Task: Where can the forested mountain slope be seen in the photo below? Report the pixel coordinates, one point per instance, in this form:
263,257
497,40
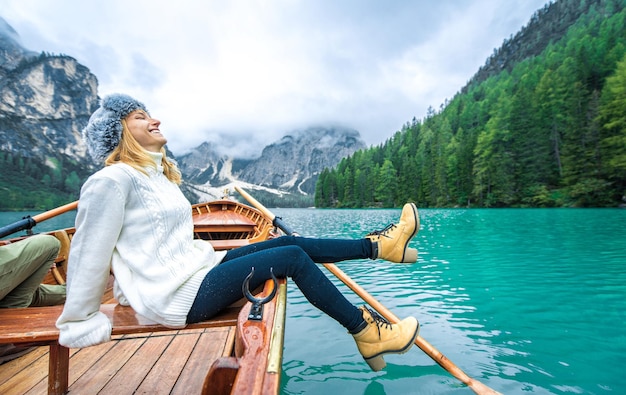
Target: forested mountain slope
546,130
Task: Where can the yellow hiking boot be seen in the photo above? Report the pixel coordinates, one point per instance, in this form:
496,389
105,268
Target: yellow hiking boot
380,337
392,242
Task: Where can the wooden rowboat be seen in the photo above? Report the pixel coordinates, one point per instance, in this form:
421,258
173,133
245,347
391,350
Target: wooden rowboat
229,354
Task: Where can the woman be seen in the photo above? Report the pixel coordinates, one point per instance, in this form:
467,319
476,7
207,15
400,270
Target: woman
133,220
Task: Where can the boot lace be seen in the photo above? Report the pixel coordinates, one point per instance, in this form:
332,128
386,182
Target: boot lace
383,232
378,320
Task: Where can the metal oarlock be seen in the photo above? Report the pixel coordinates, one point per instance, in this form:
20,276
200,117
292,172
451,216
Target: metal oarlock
256,311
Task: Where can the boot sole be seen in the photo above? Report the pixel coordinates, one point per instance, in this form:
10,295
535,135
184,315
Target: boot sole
410,254
377,362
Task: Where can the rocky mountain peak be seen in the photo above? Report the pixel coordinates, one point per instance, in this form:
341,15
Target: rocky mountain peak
46,101
290,164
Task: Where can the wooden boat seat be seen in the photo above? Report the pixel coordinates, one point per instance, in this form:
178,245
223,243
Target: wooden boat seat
35,326
219,245
222,222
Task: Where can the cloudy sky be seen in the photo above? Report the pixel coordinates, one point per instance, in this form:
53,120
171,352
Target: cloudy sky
242,73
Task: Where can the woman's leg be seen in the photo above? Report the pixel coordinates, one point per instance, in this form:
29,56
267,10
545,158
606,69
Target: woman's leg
222,285
319,250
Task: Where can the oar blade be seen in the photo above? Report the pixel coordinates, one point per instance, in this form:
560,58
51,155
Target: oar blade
481,389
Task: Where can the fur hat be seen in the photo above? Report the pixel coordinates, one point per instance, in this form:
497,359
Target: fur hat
104,130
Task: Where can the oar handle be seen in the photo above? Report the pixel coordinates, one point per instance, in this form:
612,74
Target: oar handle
278,222
29,222
25,223
476,386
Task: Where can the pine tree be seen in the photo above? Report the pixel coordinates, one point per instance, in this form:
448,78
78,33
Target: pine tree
612,117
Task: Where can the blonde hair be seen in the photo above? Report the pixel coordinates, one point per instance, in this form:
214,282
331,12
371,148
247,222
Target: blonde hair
129,151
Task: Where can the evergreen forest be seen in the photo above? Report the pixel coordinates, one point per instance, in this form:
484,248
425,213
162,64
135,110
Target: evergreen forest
26,183
547,128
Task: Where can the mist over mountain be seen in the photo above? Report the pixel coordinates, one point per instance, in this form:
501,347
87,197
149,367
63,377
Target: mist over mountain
11,50
291,164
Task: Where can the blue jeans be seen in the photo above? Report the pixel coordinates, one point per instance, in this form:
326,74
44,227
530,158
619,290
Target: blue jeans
288,256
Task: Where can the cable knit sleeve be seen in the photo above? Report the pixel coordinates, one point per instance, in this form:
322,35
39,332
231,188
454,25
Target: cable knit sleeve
98,224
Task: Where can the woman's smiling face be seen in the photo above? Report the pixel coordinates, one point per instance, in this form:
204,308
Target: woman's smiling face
145,130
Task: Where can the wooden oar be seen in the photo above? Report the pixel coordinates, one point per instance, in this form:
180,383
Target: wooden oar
29,222
442,360
56,211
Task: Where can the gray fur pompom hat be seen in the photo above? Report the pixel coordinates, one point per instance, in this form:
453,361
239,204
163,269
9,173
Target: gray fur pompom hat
104,130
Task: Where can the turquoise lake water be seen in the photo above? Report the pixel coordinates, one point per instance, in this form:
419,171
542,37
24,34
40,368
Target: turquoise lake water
523,300
526,301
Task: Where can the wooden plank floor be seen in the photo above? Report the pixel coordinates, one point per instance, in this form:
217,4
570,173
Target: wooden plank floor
173,362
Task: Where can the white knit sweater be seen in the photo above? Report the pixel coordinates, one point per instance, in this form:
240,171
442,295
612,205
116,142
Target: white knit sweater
141,228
